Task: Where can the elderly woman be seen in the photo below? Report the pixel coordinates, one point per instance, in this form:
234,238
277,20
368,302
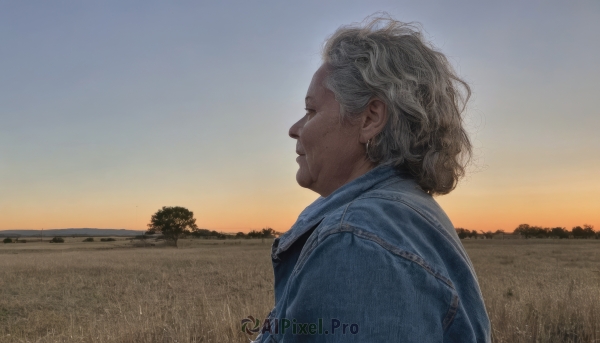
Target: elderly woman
375,258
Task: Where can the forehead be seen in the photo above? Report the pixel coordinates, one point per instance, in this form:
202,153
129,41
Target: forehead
316,90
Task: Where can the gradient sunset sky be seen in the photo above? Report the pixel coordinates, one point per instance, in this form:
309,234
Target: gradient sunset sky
110,110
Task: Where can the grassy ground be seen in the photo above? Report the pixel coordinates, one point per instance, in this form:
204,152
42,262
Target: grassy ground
540,290
535,290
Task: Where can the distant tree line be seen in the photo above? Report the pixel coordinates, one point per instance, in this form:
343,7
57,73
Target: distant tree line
264,233
17,240
203,233
464,233
528,231
211,234
57,240
587,231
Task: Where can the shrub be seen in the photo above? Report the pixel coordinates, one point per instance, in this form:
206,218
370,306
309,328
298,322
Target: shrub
107,239
21,241
89,239
7,240
57,240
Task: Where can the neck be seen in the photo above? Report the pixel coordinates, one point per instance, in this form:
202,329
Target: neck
359,169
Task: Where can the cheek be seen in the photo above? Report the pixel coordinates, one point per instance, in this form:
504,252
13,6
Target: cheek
315,138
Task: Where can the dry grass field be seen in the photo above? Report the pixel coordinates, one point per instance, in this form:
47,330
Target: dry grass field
540,290
535,290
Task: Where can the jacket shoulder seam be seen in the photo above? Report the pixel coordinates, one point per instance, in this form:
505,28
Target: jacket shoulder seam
433,223
404,254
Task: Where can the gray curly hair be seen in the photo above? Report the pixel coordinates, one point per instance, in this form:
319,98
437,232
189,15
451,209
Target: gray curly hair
391,61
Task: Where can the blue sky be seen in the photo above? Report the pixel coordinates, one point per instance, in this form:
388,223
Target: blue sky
111,110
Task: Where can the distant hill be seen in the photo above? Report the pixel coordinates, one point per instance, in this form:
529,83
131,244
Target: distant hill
70,232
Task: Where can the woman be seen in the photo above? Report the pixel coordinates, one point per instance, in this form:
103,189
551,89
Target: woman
375,259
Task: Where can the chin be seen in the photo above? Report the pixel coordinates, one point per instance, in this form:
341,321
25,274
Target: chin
303,179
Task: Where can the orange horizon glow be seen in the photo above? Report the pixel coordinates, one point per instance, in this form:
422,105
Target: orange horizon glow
484,201
470,207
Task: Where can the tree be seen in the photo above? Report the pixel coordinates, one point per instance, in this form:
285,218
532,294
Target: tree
268,232
462,233
578,232
524,229
588,231
559,232
172,222
255,234
487,235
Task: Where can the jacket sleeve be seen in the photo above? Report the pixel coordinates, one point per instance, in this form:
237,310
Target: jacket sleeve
352,289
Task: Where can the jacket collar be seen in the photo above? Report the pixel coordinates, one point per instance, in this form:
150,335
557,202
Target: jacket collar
312,215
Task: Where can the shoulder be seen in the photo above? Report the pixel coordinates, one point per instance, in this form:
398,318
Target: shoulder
398,217
399,203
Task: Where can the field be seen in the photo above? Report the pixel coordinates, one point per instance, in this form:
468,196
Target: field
540,290
535,290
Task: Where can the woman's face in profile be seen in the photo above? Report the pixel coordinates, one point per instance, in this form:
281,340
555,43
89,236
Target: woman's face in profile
327,148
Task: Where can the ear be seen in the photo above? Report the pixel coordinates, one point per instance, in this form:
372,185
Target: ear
374,119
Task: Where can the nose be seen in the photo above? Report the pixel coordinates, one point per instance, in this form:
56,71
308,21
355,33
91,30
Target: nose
295,129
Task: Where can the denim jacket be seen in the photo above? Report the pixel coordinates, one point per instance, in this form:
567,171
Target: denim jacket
378,260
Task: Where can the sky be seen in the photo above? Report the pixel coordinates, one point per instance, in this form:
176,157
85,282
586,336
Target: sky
110,110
